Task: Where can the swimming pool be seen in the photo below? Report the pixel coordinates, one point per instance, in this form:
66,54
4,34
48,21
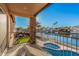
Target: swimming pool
60,52
51,46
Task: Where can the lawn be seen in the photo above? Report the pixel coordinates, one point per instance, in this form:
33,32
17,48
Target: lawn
23,40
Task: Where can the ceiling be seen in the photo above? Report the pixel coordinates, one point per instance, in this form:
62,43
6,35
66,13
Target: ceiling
25,9
1,12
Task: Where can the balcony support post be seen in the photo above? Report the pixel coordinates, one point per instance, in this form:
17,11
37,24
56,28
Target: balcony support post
32,30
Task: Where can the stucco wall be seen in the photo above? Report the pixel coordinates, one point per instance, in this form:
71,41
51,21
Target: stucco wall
3,32
11,27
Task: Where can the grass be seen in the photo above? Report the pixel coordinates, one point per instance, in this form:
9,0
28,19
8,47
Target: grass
23,40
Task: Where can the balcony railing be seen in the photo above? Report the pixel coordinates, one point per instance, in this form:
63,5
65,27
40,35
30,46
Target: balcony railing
66,42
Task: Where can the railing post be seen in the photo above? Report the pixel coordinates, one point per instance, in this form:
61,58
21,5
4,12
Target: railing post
71,46
76,45
67,45
63,45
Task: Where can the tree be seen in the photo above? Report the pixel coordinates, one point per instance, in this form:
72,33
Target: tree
38,26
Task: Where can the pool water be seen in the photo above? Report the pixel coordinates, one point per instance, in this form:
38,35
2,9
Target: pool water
51,46
53,50
60,52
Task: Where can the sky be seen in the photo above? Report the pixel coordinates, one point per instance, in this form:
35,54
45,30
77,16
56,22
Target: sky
22,22
63,14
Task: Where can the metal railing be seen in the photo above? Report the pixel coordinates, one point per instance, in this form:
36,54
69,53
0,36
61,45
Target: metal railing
68,44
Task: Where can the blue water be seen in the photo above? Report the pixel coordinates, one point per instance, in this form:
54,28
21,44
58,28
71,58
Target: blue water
60,52
64,40
51,46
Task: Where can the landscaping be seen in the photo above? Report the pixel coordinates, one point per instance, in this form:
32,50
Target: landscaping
23,40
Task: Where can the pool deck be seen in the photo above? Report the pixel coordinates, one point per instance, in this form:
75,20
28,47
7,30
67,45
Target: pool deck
37,52
26,50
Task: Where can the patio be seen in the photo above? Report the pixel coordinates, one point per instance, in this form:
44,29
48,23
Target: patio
31,44
25,10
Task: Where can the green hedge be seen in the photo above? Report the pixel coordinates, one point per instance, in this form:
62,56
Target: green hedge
23,40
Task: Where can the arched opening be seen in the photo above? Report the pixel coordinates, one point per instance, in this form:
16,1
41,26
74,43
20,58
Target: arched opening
22,30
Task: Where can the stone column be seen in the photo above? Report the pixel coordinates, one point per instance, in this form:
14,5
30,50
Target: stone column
32,30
